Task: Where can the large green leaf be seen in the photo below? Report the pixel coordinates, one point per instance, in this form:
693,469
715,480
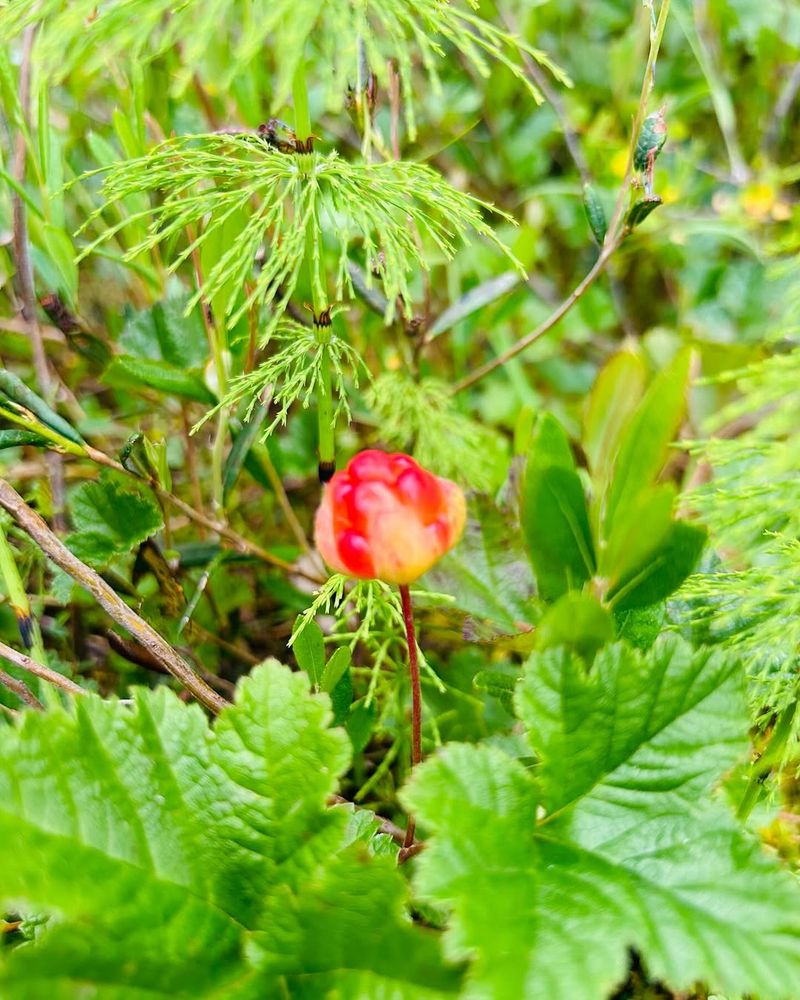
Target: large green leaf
614,842
555,520
110,519
184,861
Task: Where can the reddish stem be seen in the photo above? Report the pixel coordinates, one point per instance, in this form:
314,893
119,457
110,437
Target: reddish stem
413,663
416,699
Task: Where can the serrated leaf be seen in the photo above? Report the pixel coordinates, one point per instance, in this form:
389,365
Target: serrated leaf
109,518
555,520
129,372
613,843
488,573
189,862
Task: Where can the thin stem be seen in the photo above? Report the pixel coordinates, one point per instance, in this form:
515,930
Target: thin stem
544,327
217,343
416,699
616,229
44,673
302,116
313,260
239,542
413,663
648,82
19,689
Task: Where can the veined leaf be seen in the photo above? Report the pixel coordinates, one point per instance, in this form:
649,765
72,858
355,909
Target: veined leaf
110,519
197,863
613,843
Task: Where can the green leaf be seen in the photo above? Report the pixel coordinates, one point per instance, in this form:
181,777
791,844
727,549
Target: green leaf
335,668
16,392
61,252
613,843
577,621
309,650
632,539
663,571
15,439
240,451
184,861
109,518
595,213
614,397
644,445
164,333
555,521
129,372
476,298
488,573
360,722
498,685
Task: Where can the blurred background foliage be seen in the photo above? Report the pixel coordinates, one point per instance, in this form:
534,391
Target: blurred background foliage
714,268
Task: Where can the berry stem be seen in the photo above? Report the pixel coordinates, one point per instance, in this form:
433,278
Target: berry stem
416,696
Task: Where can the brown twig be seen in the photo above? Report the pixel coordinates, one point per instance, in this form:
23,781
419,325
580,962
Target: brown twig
19,689
544,327
39,670
144,633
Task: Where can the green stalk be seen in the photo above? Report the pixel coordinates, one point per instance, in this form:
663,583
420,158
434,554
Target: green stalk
219,342
29,630
325,411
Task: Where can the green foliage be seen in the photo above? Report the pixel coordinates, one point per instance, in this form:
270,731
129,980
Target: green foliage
295,373
347,36
109,519
488,573
555,521
751,509
205,180
198,862
612,842
421,417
